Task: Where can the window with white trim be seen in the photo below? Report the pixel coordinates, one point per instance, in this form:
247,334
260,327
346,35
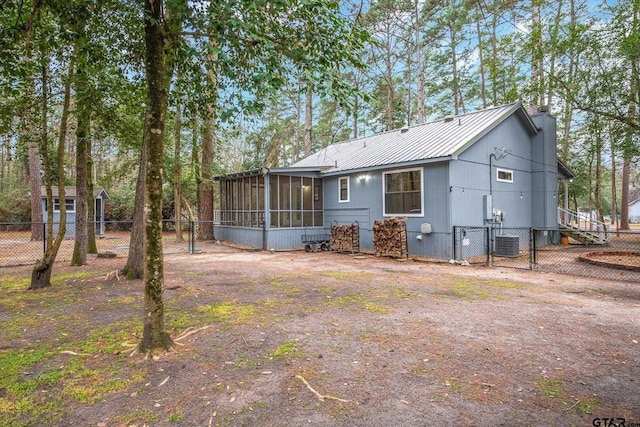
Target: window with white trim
70,204
504,175
403,192
343,189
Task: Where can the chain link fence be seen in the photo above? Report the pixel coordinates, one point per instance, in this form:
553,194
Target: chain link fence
617,260
471,245
512,247
22,243
548,251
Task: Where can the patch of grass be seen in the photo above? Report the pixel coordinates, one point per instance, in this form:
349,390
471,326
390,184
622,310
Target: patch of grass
361,300
588,405
62,278
455,384
244,362
109,339
21,403
351,276
285,287
551,387
14,283
229,312
287,349
126,300
180,321
504,284
401,293
177,415
470,291
143,416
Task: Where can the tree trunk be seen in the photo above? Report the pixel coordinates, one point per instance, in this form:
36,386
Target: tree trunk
41,274
483,86
537,80
419,81
92,246
624,200
308,119
614,194
134,268
205,230
177,172
454,70
37,231
298,121
597,192
155,339
79,256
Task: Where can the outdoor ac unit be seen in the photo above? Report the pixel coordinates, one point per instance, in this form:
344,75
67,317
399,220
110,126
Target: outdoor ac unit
507,246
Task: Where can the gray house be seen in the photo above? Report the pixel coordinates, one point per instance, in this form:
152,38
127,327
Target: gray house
496,167
100,196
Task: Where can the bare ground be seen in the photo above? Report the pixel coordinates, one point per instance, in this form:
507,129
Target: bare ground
330,339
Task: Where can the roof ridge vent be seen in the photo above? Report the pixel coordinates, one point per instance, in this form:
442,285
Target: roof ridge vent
448,119
404,128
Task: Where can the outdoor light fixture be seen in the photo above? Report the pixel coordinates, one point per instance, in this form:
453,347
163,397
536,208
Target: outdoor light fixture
363,178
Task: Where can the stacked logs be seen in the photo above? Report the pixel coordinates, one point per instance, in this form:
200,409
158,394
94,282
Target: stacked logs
390,237
345,238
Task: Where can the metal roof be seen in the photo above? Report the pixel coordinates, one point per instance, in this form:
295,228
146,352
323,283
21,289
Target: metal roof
444,138
70,191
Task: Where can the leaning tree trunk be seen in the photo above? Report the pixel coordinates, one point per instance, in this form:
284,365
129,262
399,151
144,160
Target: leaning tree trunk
134,268
155,339
41,274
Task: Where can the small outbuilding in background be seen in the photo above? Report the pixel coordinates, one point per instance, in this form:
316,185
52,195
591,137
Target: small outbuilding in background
100,196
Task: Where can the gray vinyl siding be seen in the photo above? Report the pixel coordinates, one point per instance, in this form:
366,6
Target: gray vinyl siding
253,237
470,177
365,206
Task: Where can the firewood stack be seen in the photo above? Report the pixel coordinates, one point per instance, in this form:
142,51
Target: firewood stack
345,238
390,237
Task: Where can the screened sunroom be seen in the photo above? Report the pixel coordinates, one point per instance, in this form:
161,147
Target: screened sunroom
269,208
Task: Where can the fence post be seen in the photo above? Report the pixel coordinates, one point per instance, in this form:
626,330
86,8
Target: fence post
487,261
455,238
532,248
192,242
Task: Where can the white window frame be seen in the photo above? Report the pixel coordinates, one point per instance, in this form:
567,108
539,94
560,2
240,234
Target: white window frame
56,201
510,172
340,199
384,192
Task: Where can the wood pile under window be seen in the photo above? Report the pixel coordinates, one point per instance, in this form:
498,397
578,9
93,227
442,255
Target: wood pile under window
345,238
390,237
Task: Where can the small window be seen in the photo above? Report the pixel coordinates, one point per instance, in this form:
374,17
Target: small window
343,189
505,175
70,205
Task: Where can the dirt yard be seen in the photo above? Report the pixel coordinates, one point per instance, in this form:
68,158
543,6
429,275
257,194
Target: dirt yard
320,339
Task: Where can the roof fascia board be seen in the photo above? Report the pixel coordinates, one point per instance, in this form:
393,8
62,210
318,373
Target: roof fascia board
402,165
517,108
296,169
